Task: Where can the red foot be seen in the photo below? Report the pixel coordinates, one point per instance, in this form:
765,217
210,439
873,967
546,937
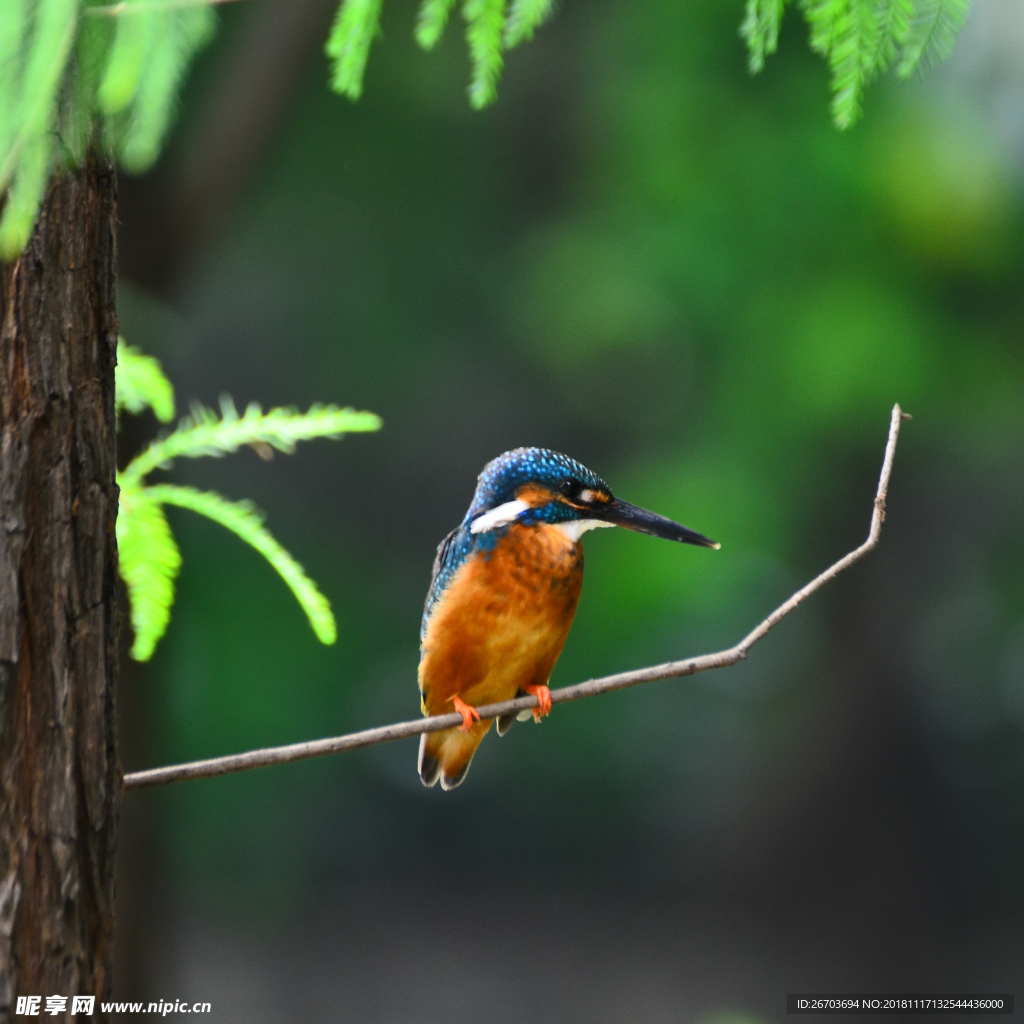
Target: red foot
543,695
469,714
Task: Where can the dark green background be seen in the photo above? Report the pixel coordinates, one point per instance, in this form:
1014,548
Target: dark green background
686,278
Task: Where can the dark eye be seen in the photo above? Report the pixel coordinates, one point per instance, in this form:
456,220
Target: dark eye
571,488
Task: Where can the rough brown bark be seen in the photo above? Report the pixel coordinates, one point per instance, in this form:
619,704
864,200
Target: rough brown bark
58,560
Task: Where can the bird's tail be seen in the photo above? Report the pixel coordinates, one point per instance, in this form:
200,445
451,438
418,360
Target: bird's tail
446,755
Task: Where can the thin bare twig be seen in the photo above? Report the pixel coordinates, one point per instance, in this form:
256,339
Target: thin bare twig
669,670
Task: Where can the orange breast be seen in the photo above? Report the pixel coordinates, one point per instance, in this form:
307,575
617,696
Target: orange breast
503,619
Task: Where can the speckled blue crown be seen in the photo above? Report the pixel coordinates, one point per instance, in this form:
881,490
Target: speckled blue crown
503,476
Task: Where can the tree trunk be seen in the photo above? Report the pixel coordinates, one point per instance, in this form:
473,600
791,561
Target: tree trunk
59,783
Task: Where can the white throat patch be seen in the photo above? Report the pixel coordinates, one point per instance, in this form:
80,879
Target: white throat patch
500,516
575,528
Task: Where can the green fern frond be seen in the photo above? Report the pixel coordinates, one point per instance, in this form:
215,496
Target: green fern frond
134,38
25,196
48,47
431,21
149,562
894,18
760,29
854,45
485,25
246,523
203,433
86,68
180,36
139,383
150,559
860,39
525,17
355,26
822,18
13,25
933,31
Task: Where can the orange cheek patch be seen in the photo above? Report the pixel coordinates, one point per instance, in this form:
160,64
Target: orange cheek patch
535,496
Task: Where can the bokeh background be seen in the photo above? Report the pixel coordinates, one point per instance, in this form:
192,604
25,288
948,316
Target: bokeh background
686,278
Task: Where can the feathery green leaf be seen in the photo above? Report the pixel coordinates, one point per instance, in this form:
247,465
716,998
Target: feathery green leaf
854,44
25,195
356,24
149,561
526,16
894,18
134,38
485,25
860,39
822,16
760,29
48,48
246,523
431,21
139,383
77,109
13,23
181,34
203,433
933,31
49,44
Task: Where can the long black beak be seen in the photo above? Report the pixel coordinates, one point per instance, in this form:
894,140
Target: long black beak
632,517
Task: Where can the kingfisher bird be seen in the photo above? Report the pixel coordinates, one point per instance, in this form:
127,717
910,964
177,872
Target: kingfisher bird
503,594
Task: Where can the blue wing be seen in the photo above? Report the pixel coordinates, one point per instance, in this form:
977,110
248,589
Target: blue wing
451,553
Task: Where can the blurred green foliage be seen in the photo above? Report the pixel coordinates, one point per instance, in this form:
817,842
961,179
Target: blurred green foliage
139,384
861,39
74,73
